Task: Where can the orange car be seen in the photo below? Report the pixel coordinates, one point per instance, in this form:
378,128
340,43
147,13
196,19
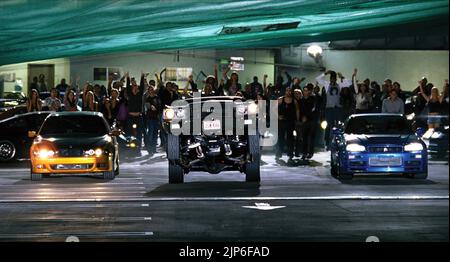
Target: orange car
74,143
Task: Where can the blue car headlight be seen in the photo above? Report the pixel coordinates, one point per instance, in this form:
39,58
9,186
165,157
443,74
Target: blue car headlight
413,147
355,148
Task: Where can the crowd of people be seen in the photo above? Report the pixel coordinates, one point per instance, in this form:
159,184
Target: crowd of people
136,105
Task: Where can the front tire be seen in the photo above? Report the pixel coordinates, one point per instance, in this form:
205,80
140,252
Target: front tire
110,175
252,168
345,176
176,172
36,177
336,171
420,175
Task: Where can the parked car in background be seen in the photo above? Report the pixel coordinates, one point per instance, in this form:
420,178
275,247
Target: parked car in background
12,103
15,95
14,140
10,108
378,143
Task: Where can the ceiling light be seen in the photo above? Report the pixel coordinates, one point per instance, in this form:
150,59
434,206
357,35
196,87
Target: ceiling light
314,51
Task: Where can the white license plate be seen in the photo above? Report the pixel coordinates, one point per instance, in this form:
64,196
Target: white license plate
385,161
211,125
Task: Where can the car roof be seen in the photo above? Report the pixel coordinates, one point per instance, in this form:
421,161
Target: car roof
206,98
25,114
76,113
375,115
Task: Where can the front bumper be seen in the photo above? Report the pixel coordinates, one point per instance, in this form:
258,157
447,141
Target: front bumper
411,162
75,165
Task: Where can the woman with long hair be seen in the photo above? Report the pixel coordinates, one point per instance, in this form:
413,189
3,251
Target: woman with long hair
34,103
434,101
70,100
208,90
90,104
232,85
363,98
111,106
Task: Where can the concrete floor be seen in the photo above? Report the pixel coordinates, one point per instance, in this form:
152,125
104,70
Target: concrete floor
302,203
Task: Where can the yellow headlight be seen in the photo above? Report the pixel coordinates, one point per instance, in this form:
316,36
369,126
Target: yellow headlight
98,152
45,153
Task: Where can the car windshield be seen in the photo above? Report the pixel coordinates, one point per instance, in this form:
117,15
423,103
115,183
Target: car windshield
380,124
69,125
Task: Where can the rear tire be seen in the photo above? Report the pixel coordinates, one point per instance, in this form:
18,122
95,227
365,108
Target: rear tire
176,172
252,168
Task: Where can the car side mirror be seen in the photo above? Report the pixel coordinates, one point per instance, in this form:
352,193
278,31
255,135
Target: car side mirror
420,131
115,133
31,134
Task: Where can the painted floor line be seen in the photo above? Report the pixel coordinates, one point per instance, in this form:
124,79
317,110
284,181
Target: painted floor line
86,219
339,197
76,234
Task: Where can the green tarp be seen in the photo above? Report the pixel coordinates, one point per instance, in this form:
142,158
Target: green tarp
42,29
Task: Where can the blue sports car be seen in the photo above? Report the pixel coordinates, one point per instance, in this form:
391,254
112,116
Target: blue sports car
378,143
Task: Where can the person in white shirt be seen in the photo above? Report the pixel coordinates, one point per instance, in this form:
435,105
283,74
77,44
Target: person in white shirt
333,108
53,102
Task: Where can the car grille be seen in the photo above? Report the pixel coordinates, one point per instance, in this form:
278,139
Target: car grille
72,167
70,152
385,149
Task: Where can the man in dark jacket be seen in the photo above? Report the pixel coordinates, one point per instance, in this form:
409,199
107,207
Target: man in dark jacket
152,117
134,95
308,118
167,95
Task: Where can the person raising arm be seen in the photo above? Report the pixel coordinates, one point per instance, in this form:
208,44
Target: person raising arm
434,106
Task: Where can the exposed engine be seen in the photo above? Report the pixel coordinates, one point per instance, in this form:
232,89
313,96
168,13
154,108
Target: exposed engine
213,153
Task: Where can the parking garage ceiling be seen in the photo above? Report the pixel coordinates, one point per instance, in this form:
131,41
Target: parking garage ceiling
42,29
